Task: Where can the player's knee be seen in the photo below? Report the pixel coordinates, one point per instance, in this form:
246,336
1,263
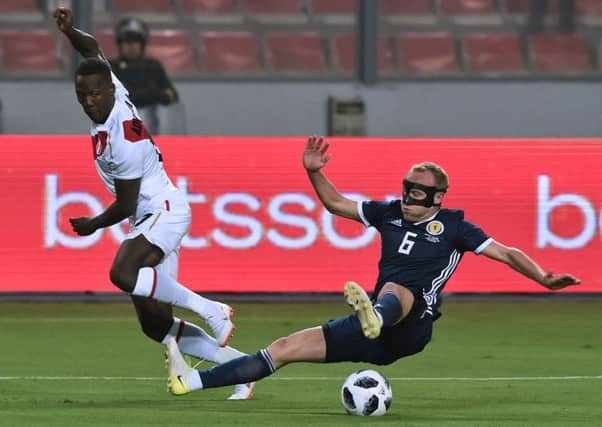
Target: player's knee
122,279
155,328
281,351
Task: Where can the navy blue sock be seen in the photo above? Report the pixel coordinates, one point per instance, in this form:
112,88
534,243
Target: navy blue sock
245,369
389,307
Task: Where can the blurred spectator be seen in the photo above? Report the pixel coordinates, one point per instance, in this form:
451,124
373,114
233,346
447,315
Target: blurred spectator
538,9
144,78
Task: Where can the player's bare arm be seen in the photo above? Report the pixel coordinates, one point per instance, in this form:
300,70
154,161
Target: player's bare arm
84,43
520,262
123,207
315,158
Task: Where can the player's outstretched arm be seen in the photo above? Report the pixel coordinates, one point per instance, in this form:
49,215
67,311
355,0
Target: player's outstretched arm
315,158
84,43
520,262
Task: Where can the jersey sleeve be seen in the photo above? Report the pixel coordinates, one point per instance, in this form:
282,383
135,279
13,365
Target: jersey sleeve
472,238
372,212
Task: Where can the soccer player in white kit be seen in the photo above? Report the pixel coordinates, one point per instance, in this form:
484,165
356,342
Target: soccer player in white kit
131,167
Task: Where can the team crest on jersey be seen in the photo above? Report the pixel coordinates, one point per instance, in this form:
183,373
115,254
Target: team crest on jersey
435,228
99,143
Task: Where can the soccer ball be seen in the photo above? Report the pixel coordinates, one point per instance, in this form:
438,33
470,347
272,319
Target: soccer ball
366,393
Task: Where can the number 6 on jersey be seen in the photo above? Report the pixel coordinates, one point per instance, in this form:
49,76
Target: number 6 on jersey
407,244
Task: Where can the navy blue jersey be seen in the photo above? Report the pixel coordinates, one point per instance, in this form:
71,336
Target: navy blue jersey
421,256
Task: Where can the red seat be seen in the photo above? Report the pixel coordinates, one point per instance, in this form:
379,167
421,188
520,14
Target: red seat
300,51
406,7
229,52
209,6
426,52
28,50
344,48
272,6
173,49
560,52
493,52
517,7
589,8
153,6
106,41
467,7
344,7
8,6
521,7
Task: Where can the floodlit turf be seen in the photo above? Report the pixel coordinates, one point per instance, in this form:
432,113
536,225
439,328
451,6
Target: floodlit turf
479,340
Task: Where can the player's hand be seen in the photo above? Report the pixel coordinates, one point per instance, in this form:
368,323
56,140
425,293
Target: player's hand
64,19
83,226
558,281
314,155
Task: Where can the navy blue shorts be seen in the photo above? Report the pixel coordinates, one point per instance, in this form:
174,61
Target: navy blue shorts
345,341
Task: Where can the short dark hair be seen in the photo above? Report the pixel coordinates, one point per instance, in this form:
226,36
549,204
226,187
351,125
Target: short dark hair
91,66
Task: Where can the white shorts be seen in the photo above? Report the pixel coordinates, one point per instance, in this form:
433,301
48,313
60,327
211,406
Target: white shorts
165,227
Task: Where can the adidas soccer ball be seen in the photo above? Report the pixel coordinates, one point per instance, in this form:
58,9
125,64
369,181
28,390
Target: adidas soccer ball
366,393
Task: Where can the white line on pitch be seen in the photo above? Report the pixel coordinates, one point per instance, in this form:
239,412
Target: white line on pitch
434,379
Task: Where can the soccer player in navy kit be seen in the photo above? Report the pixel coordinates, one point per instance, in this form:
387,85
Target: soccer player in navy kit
421,246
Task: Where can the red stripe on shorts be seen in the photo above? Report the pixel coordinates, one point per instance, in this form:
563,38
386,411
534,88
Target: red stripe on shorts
180,330
167,205
154,283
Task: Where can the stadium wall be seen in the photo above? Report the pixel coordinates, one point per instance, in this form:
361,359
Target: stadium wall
258,226
428,108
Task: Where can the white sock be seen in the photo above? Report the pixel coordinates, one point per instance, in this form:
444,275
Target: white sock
155,284
194,380
194,341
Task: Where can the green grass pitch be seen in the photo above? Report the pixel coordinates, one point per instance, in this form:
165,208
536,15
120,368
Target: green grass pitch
491,363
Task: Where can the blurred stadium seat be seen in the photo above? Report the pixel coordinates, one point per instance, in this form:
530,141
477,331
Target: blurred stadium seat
173,48
471,12
407,7
467,7
213,11
334,11
106,41
492,52
19,11
275,11
560,53
138,6
517,7
148,10
589,7
590,11
521,7
300,52
9,6
410,12
29,51
344,50
229,52
209,6
426,53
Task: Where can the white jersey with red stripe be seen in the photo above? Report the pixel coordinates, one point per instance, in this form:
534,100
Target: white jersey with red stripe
123,149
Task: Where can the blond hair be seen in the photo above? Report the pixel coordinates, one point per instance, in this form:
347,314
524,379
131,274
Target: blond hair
441,178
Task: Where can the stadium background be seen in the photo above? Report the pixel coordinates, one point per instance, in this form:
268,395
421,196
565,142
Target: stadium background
513,117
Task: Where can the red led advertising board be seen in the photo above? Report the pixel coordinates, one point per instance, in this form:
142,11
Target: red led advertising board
258,226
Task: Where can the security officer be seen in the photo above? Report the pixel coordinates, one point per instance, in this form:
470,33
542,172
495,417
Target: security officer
144,78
